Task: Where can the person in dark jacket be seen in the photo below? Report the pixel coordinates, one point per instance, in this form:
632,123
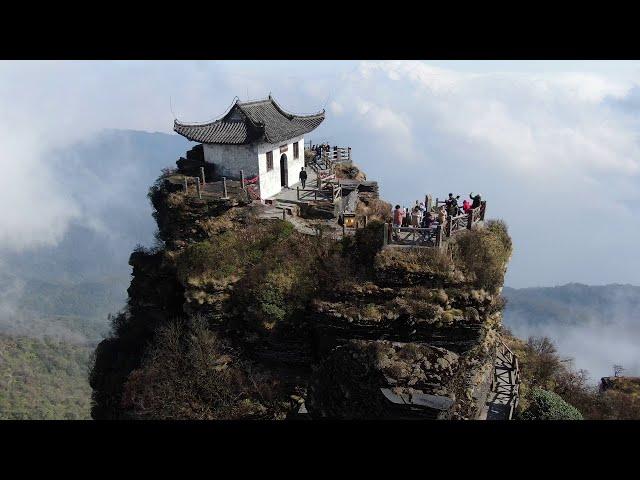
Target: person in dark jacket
476,200
452,205
303,176
427,220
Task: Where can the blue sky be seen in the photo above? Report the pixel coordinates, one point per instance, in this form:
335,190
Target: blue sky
551,145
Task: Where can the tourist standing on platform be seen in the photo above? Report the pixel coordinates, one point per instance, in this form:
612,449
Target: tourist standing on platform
452,205
442,216
398,216
415,216
427,220
476,200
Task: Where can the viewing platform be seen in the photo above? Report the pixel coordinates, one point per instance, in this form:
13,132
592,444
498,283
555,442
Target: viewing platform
435,235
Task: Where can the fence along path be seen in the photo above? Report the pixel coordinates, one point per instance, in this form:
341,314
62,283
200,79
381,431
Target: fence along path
327,187
505,385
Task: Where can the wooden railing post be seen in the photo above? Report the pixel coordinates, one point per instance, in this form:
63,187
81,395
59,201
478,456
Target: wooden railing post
198,188
202,175
447,228
385,233
470,219
438,236
483,208
242,179
428,202
186,188
224,187
298,192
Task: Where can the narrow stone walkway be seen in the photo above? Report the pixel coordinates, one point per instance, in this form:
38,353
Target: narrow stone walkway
331,228
290,194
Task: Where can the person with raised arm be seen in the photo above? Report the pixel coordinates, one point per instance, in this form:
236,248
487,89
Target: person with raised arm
476,200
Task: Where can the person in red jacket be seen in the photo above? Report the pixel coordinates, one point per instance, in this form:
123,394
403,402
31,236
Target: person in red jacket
466,206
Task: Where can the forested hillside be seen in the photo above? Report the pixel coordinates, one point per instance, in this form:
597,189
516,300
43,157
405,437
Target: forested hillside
55,300
43,379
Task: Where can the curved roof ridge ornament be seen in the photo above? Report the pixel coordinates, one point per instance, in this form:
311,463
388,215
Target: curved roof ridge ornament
292,115
234,102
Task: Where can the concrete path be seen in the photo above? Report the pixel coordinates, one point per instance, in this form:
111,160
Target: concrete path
290,194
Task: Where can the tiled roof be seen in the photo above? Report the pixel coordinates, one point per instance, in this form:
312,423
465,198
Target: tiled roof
251,121
215,132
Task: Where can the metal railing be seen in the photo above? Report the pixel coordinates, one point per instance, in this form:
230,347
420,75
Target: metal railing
325,158
330,192
415,236
465,221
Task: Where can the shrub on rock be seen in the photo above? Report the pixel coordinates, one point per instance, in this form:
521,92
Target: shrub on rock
547,405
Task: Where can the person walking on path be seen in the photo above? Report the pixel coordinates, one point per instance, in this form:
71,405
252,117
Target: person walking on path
303,176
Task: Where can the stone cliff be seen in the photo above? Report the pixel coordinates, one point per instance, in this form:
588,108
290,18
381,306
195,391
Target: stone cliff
237,316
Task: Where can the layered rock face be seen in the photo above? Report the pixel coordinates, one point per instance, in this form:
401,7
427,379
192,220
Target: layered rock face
418,339
235,316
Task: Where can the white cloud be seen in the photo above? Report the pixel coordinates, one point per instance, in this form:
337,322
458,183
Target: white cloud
336,108
541,142
532,122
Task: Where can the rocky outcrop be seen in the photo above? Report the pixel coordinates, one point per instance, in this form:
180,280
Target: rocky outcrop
339,329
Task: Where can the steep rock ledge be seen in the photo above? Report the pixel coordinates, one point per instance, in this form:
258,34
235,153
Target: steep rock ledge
240,317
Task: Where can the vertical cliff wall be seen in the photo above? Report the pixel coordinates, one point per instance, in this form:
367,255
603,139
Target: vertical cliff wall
238,316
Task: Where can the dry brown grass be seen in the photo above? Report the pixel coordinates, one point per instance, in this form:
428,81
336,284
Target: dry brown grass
415,260
189,373
374,209
349,170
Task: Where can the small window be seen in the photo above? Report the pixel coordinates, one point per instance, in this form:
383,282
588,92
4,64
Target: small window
269,161
296,150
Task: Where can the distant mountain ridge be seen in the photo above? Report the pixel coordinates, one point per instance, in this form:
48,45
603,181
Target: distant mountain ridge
596,325
572,304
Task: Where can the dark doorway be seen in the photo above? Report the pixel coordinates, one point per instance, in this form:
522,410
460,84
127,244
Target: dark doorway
284,173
